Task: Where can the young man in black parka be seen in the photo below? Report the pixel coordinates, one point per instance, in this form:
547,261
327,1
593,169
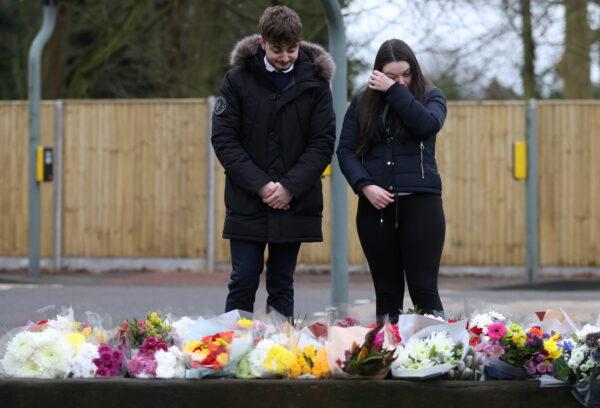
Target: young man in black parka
274,133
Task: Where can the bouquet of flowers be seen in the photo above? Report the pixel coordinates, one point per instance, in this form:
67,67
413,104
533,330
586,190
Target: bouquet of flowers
310,363
132,332
371,357
154,359
514,353
54,348
271,355
478,324
213,347
580,364
431,352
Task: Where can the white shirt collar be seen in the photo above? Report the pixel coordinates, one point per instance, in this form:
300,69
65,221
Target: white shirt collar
271,68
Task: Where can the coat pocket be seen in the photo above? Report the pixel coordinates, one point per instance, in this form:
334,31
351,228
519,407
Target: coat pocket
309,203
240,201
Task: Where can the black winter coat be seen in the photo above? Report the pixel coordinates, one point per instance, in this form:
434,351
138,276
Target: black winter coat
397,165
261,134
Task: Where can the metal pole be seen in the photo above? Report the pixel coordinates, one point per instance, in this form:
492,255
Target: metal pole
339,198
34,86
531,192
58,171
210,197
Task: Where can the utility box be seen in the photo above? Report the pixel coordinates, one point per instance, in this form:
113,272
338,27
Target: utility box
520,160
45,164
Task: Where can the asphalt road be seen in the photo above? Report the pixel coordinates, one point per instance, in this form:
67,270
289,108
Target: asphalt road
124,295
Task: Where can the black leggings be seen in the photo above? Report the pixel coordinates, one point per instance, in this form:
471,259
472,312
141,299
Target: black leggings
404,239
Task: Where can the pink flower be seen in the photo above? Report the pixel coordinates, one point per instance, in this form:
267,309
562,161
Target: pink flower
496,331
378,339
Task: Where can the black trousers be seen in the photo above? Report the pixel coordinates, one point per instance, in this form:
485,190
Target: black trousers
247,260
404,240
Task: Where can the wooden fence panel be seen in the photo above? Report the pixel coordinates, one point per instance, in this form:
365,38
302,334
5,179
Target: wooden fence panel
569,183
134,178
14,181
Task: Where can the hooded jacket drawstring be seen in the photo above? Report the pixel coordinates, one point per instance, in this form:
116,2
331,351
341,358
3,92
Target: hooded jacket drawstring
395,214
396,211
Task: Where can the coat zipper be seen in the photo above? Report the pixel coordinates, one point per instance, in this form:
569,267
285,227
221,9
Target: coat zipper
422,147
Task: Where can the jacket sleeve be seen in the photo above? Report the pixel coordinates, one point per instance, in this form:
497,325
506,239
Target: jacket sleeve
421,120
350,164
319,149
226,129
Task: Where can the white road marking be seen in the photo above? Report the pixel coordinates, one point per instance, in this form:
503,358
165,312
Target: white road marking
9,286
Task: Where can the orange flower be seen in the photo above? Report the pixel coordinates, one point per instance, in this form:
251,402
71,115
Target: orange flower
537,331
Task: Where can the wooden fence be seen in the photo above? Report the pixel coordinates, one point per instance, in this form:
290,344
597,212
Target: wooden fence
135,183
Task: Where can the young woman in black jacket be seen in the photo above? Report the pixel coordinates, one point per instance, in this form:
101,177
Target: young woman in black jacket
387,153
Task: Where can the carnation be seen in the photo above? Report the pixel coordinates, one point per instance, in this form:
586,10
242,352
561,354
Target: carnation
170,364
82,365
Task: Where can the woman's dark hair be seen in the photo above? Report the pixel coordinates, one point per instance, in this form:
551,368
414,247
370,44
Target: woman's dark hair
372,102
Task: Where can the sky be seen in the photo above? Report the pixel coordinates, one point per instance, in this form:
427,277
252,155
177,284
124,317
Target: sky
480,31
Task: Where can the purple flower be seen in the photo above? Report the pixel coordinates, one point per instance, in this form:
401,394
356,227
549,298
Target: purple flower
534,340
550,369
104,348
106,356
531,368
495,350
142,364
541,368
540,358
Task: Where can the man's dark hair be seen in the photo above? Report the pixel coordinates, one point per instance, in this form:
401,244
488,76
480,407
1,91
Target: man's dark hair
280,25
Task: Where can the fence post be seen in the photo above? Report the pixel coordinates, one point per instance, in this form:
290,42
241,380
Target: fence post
531,192
210,196
58,173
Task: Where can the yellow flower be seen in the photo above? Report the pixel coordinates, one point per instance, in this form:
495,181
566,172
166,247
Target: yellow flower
76,340
191,345
519,339
153,317
278,360
295,370
552,348
223,358
87,332
310,351
244,323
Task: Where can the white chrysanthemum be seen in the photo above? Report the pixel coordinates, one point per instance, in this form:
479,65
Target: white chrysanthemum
419,350
444,346
419,365
23,345
577,356
257,357
481,320
496,316
170,364
82,365
52,355
587,329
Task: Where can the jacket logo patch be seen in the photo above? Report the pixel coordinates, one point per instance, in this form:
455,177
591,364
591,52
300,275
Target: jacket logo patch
220,105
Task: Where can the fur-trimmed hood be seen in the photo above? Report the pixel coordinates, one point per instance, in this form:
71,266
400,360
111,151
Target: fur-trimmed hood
246,48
